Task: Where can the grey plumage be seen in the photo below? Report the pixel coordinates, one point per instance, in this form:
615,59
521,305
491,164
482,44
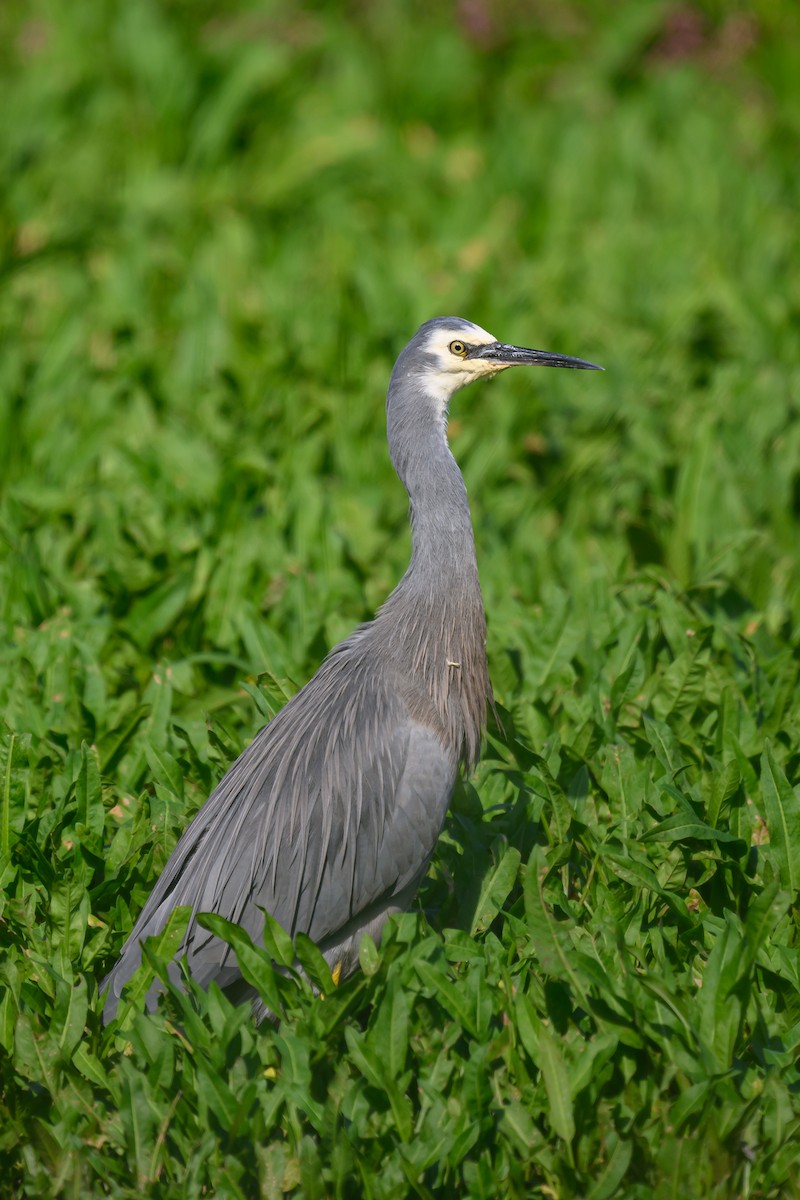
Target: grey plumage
329,818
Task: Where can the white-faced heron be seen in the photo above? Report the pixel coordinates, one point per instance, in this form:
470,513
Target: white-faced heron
329,818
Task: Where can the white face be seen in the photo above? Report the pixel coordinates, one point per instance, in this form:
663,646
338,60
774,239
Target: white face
454,369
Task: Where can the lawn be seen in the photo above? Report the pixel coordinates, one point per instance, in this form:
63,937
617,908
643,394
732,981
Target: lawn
219,224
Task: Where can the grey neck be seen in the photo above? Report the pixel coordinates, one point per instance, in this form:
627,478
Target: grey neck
434,620
443,546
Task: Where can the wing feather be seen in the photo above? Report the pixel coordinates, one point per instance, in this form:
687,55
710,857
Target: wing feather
335,806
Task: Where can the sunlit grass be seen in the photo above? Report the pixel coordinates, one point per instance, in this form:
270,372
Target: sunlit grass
217,231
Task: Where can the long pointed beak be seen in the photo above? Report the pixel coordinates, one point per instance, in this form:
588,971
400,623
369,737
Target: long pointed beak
517,356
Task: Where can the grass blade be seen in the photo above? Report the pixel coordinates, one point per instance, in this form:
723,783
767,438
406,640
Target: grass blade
782,815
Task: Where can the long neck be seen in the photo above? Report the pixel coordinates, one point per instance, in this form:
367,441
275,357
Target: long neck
443,546
435,614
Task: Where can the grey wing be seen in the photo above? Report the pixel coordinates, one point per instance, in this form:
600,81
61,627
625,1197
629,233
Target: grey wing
326,821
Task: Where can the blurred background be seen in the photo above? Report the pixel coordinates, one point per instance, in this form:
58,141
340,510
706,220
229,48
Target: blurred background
219,225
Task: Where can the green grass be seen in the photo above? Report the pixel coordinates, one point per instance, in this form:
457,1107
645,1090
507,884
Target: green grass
219,224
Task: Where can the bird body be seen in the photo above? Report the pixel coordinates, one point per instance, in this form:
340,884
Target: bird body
330,816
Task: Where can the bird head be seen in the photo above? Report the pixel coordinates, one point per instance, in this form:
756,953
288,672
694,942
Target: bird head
448,353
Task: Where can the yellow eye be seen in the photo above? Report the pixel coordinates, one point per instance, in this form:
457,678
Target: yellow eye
458,348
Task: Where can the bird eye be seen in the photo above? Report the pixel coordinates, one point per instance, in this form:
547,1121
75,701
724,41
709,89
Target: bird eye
458,348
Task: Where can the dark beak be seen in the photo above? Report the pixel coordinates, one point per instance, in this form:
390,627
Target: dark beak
518,356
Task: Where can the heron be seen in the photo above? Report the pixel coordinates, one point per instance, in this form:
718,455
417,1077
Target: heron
329,818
